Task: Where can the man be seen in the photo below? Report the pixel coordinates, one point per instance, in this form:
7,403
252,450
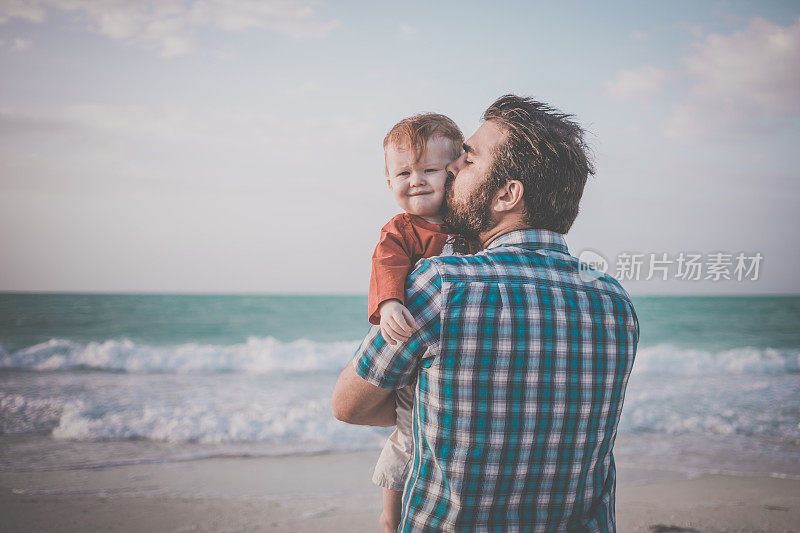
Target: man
520,361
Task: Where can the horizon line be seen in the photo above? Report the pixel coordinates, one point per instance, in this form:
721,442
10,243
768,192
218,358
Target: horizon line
342,294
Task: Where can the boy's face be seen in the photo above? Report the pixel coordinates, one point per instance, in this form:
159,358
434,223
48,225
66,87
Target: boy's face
418,187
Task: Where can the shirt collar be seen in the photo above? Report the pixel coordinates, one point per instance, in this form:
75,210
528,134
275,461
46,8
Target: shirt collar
532,239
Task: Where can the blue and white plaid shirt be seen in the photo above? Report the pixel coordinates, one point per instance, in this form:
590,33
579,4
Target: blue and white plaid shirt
522,364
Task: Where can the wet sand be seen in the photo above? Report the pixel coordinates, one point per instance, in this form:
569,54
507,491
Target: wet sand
333,492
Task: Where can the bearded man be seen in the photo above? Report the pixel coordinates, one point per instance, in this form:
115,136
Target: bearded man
520,359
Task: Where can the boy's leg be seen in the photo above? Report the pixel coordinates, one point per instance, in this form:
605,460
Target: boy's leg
392,468
392,507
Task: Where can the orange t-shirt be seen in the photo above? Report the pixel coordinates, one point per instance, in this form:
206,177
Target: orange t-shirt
405,239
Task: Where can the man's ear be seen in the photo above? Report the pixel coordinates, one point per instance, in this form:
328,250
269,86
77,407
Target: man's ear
510,196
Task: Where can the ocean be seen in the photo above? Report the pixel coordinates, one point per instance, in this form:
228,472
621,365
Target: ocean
90,381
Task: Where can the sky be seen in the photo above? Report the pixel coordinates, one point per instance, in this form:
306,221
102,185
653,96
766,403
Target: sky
221,146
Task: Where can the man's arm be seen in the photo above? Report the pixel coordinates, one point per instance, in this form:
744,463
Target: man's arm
364,392
357,401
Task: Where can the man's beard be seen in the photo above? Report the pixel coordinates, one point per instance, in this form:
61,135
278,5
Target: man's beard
472,217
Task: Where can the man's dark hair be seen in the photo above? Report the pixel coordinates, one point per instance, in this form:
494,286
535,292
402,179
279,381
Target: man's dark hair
545,151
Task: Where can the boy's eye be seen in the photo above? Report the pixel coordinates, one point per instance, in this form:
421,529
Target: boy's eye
404,174
467,161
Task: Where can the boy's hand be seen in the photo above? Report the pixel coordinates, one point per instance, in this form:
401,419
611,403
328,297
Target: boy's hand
397,324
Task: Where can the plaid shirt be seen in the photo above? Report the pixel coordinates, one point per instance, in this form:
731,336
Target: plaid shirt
522,365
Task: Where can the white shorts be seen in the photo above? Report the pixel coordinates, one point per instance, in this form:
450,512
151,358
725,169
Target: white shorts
392,466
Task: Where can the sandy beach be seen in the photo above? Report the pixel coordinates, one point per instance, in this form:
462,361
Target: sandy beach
333,492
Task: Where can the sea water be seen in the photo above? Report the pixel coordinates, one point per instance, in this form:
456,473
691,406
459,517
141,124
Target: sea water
98,380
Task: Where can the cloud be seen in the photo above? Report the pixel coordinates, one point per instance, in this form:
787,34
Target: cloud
408,32
737,85
638,35
21,9
747,82
643,82
760,63
169,26
101,129
173,126
20,45
17,45
111,149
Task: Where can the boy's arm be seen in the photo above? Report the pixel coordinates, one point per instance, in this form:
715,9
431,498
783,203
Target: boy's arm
391,263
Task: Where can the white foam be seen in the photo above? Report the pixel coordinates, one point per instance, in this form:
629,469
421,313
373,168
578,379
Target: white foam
21,414
255,356
291,413
265,391
268,355
307,422
667,359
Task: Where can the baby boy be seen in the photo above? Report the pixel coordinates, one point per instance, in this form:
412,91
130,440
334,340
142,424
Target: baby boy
417,150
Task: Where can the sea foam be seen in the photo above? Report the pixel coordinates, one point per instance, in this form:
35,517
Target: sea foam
265,355
255,356
667,359
267,391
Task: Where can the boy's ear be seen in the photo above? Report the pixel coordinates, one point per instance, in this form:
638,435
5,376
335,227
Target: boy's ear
389,182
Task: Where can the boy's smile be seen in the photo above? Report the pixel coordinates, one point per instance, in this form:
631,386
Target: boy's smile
418,186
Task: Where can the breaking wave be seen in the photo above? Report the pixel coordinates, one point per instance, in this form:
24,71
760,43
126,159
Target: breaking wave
255,356
268,355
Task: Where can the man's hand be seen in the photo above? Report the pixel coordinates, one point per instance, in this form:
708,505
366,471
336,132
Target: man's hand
397,324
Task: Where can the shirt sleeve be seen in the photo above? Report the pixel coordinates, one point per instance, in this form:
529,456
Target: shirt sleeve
394,367
391,263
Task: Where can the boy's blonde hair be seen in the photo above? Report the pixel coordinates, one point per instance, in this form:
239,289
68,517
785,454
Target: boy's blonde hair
415,131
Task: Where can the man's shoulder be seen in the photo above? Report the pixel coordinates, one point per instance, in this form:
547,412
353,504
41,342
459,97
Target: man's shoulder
447,268
427,270
514,265
611,284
